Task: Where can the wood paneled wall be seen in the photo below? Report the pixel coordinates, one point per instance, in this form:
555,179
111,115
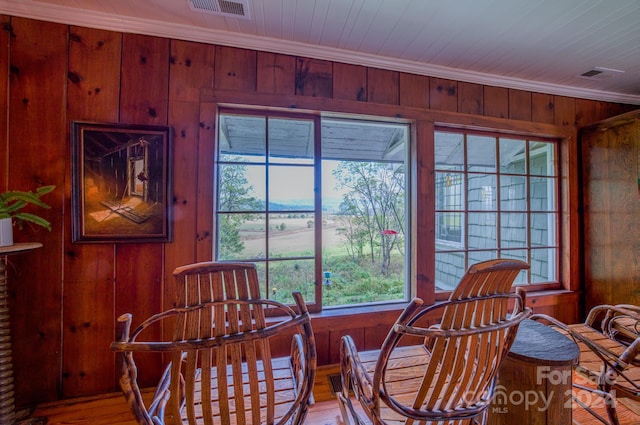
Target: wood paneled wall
611,176
65,297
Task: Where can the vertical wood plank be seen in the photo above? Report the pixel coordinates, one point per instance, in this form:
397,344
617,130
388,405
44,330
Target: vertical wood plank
140,267
496,102
322,347
89,320
334,342
564,111
586,112
542,108
519,105
37,140
276,73
423,212
611,208
191,69
235,69
414,90
5,34
443,94
383,86
206,155
470,98
349,82
314,77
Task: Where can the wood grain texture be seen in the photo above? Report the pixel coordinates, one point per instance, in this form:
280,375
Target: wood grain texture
519,105
470,98
314,77
443,94
5,35
235,69
143,100
542,107
414,90
382,86
276,73
88,317
496,102
37,137
192,67
611,210
350,82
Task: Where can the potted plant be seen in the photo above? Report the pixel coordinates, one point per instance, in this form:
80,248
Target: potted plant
11,204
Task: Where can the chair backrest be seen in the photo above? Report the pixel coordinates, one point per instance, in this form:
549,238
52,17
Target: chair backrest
466,348
223,368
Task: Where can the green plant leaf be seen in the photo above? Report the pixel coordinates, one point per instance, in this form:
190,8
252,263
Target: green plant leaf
33,219
12,201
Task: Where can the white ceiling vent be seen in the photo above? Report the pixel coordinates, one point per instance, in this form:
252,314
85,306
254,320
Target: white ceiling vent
599,73
230,9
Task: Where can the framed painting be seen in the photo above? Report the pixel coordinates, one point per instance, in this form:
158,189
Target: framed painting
121,182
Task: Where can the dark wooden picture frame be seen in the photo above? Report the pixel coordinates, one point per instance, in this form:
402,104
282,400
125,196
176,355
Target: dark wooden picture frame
121,182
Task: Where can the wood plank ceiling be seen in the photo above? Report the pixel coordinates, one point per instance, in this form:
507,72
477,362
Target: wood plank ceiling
537,45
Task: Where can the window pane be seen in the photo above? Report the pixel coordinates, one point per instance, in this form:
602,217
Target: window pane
291,235
285,277
290,140
542,158
521,255
543,230
509,209
349,282
242,138
450,266
366,252
483,232
449,230
482,192
513,230
512,156
513,193
478,256
241,236
481,153
291,188
449,191
543,196
266,207
543,265
449,151
241,187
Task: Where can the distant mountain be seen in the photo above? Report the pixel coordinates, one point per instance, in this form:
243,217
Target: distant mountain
328,204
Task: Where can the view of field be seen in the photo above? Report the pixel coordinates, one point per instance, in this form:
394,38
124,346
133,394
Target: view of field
293,236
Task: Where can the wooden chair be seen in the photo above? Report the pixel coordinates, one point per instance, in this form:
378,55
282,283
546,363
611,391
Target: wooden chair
443,373
221,369
609,358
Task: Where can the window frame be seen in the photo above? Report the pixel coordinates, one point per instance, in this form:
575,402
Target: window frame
423,121
317,117
528,175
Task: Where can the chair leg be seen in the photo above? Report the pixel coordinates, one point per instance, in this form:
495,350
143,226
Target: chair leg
609,402
610,405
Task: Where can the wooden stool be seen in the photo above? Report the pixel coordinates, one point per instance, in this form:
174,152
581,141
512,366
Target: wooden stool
535,380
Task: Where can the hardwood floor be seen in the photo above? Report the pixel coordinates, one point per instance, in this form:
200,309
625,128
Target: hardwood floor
111,409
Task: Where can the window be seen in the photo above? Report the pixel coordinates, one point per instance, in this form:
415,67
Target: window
319,204
495,196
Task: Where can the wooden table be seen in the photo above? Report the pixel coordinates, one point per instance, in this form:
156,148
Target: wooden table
8,414
534,384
